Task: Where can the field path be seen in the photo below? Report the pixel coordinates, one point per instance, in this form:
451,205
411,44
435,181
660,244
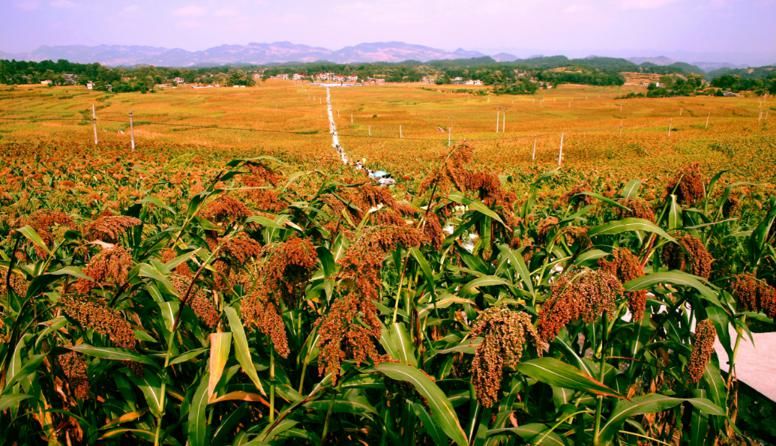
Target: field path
333,128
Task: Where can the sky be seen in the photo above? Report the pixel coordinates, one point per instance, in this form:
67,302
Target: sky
738,31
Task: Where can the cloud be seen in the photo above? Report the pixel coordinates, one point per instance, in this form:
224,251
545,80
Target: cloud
575,8
190,11
644,4
62,4
129,9
225,12
27,5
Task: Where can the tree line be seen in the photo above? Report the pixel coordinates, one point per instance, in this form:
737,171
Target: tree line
523,76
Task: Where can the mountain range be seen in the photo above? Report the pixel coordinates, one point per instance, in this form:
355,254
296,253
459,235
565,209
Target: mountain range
271,53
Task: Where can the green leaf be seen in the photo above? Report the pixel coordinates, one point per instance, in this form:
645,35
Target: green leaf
429,426
628,225
30,234
532,433
169,309
152,271
759,237
220,347
441,410
272,431
12,400
191,354
18,373
151,386
197,426
185,257
604,199
484,210
651,403
473,286
241,349
699,423
72,271
425,268
113,354
515,258
444,302
674,214
557,373
631,189
675,278
398,343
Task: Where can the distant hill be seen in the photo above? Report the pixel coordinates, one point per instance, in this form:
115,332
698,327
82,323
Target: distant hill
504,57
370,52
252,53
658,60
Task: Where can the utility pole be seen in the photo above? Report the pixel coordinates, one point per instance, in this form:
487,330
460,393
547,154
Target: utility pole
670,122
94,125
449,136
401,134
707,120
131,132
533,152
560,151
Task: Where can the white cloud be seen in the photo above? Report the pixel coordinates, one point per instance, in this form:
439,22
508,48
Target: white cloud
644,4
225,12
27,5
190,11
129,9
62,4
575,8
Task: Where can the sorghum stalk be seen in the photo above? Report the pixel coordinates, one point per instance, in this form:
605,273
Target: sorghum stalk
272,384
601,371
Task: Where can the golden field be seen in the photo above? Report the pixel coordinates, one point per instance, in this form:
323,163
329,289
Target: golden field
601,133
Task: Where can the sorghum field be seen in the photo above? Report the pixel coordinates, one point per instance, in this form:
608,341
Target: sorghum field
236,285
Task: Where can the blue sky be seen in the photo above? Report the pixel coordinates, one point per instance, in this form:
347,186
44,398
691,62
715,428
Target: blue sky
741,31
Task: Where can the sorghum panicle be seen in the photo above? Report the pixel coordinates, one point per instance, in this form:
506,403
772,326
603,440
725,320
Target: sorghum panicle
689,185
109,228
703,347
109,267
754,294
690,255
74,368
627,266
504,333
586,295
225,209
103,320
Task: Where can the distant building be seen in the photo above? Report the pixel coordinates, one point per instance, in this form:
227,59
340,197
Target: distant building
90,85
178,81
47,82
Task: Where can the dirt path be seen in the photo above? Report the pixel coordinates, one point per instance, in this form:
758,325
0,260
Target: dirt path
333,129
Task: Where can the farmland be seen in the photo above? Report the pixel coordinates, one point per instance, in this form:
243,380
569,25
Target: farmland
602,133
231,282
